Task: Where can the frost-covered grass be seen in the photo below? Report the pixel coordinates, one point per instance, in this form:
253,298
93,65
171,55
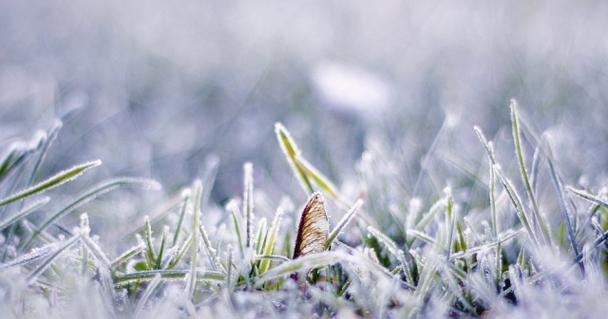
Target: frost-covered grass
533,246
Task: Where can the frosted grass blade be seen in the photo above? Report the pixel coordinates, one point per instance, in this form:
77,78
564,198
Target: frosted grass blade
291,151
91,194
52,182
343,223
24,212
47,262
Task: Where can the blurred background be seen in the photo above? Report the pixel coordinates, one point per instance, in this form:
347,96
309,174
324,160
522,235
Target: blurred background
163,89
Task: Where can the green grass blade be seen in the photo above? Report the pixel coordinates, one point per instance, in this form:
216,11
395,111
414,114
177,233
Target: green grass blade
291,151
150,253
521,161
273,233
233,208
19,152
450,223
323,182
13,156
261,236
305,172
197,189
89,195
51,182
182,212
161,250
176,274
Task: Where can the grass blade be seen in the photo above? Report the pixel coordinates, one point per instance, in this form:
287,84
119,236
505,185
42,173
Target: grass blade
450,223
538,219
517,203
233,208
589,197
492,160
273,258
47,262
565,208
182,212
302,264
291,151
492,194
422,236
97,252
272,237
161,250
128,254
180,252
19,151
343,223
142,276
248,202
51,182
305,172
24,212
146,295
596,243
35,254
211,253
150,254
392,248
323,182
261,235
51,136
474,250
428,217
89,195
197,189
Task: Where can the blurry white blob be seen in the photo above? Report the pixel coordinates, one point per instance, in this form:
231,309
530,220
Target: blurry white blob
13,84
73,102
19,85
351,89
452,119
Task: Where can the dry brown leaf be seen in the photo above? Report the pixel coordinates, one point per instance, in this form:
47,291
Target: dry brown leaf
313,228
